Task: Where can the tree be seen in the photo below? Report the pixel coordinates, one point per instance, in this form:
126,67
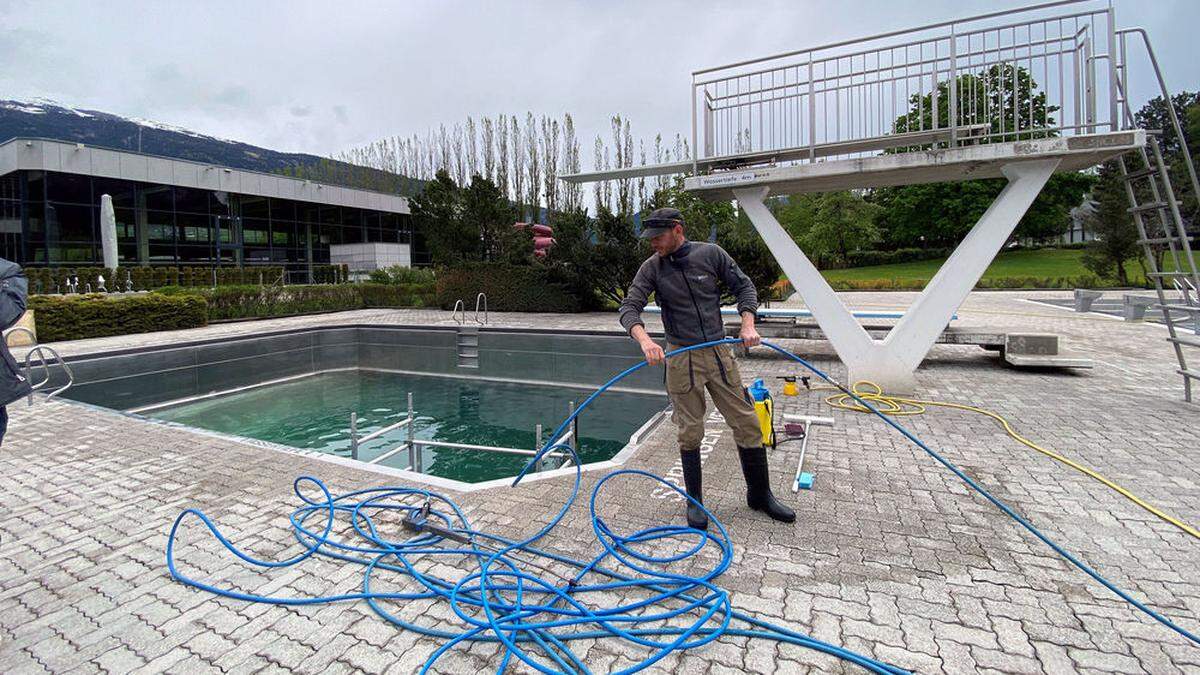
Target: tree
1116,236
468,224
1008,102
597,258
831,224
1154,115
1002,98
436,213
487,212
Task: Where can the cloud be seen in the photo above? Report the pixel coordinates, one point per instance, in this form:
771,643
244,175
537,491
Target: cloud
294,76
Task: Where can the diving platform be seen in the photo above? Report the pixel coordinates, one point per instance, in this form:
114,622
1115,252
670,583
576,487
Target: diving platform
970,162
1015,95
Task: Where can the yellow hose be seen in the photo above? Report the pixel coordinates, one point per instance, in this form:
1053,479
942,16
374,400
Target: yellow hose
897,405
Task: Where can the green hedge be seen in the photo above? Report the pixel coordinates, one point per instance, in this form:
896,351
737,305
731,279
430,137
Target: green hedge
76,317
47,280
398,274
900,255
1083,281
509,288
249,302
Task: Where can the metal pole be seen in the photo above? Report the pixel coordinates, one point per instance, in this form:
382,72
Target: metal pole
574,427
412,449
953,86
1112,69
538,446
695,149
812,114
354,435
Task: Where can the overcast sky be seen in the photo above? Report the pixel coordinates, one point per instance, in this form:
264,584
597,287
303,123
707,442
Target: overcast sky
322,77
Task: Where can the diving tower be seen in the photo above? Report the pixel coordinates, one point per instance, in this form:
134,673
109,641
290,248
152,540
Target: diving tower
1017,94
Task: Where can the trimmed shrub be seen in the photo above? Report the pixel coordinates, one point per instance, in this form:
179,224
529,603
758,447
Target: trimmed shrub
397,295
48,280
77,317
398,274
248,302
509,288
1083,281
900,255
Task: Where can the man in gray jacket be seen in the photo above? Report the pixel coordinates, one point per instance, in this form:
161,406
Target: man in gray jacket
13,385
685,278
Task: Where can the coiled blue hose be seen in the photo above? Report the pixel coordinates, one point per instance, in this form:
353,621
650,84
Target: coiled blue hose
531,614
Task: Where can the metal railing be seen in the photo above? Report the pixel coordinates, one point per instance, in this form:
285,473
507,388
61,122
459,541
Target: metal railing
481,298
459,305
416,460
1045,70
41,351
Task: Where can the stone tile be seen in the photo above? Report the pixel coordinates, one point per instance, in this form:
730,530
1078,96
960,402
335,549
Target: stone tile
891,554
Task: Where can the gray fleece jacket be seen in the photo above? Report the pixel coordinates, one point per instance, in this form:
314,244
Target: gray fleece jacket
686,285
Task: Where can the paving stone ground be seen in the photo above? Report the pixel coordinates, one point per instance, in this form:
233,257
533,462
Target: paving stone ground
891,555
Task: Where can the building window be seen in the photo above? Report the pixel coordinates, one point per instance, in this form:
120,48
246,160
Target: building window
68,188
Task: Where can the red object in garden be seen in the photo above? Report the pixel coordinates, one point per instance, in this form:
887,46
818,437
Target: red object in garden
543,237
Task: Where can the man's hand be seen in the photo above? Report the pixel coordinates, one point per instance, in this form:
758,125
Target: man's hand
654,354
749,334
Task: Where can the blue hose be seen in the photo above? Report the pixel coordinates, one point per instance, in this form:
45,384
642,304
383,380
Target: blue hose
537,615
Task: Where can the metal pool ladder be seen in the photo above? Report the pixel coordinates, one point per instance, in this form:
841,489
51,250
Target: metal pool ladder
554,459
41,351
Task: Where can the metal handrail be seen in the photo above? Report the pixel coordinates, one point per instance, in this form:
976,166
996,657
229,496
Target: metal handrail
481,297
379,432
880,36
41,350
356,441
859,89
459,304
414,445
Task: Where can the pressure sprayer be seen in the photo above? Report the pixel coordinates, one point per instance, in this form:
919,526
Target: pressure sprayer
529,613
764,408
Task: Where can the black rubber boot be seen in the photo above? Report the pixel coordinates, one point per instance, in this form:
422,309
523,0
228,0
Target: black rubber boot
691,481
758,485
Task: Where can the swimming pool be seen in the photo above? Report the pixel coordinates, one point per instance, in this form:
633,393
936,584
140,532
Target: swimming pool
313,413
297,389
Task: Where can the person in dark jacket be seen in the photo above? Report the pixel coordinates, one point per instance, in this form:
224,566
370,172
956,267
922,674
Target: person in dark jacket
13,291
686,279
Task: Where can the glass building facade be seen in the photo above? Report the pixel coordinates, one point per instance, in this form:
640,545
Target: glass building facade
53,218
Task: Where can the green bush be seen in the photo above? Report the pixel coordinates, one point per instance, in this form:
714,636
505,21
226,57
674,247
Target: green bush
509,288
398,295
248,302
900,255
48,280
398,274
77,317
1083,281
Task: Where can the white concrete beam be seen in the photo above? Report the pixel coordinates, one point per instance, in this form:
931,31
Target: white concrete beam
891,363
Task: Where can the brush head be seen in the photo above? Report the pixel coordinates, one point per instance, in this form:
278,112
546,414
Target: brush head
806,481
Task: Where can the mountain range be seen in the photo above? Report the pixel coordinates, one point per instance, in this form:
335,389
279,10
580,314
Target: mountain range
42,118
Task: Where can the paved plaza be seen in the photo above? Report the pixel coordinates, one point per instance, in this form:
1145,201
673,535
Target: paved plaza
891,555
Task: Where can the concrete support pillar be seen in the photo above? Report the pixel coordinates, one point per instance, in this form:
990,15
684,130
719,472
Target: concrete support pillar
892,362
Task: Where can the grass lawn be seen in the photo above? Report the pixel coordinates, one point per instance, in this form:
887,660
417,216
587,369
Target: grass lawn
1039,263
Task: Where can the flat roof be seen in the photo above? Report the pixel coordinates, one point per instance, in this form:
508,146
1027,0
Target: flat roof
39,154
924,166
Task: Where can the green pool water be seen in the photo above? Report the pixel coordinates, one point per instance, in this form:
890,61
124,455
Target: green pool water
314,413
